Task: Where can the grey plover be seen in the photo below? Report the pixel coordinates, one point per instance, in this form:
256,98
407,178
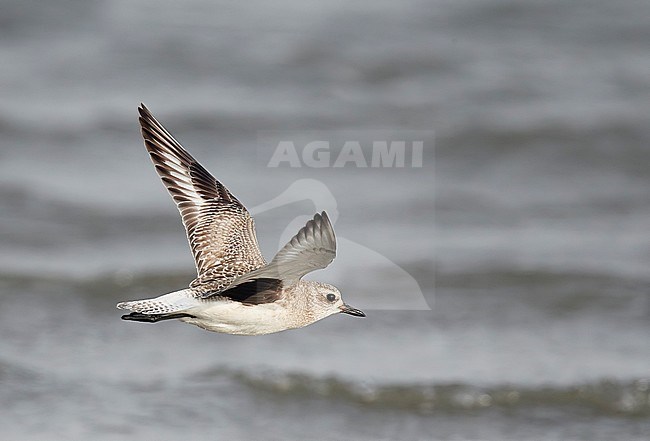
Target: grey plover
236,290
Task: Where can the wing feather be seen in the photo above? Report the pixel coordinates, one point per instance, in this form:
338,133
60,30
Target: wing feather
314,247
219,229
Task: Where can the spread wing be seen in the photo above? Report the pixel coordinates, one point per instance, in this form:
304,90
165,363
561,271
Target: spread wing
219,229
314,247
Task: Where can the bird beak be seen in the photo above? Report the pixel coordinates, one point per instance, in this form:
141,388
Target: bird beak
347,309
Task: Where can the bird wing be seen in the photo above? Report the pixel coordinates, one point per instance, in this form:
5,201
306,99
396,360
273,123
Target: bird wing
314,247
253,292
219,229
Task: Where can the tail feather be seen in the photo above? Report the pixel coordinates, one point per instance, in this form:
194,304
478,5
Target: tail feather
153,318
173,302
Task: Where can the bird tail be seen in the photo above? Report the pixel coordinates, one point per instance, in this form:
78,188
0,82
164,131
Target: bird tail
153,318
174,302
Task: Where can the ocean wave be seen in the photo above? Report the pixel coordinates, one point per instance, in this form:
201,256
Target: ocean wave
466,278
99,281
13,373
606,397
543,290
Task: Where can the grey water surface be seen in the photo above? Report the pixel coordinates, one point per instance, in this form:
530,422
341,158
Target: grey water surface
505,280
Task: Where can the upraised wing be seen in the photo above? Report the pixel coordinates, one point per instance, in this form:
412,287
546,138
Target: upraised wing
314,247
219,229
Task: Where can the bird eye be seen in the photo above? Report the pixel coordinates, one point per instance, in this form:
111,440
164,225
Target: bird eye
331,297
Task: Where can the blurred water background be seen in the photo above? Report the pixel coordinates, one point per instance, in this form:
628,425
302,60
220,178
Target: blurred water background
535,264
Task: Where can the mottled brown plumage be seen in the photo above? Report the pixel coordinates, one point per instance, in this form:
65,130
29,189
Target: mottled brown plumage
219,229
235,291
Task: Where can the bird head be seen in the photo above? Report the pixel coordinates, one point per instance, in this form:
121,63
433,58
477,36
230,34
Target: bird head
325,300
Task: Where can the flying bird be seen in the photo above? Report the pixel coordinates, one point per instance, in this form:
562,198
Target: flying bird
236,291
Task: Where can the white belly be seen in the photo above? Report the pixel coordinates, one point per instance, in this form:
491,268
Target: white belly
236,318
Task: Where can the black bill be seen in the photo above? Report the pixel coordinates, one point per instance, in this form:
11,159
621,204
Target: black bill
347,309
